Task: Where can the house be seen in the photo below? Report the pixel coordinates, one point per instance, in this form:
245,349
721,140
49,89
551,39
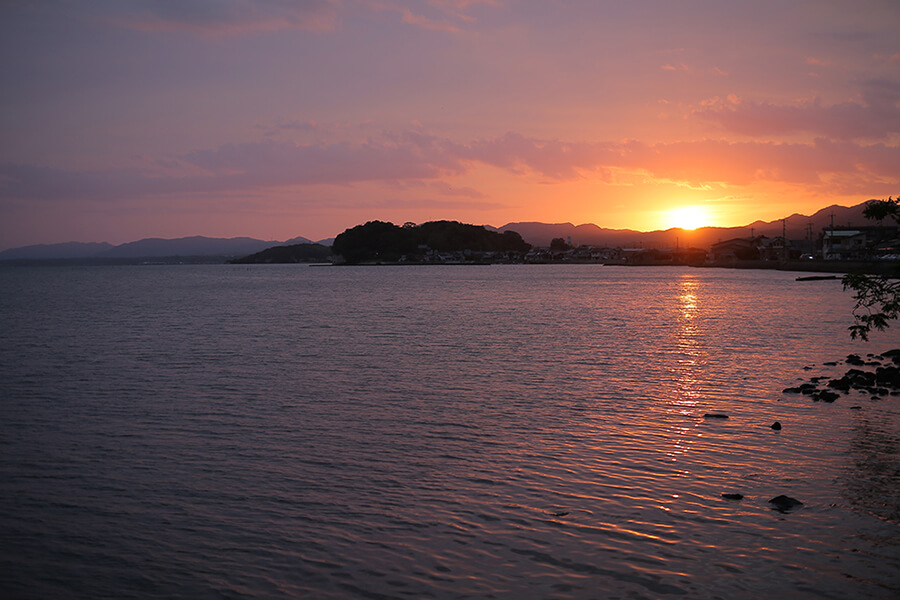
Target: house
736,249
856,243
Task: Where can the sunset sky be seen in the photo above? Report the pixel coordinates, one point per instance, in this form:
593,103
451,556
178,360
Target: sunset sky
125,119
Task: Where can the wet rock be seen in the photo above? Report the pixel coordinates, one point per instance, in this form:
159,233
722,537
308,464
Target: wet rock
830,364
733,496
855,359
791,390
715,416
784,503
776,426
856,408
826,396
841,384
888,376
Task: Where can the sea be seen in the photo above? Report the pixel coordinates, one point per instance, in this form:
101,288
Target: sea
415,432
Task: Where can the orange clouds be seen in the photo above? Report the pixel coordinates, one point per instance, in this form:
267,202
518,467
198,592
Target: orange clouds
412,156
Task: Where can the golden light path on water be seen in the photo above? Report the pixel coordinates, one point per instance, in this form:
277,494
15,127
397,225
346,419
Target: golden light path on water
506,431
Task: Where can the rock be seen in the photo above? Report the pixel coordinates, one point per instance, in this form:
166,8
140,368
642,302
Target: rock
856,408
888,376
715,416
830,364
826,396
791,390
855,359
784,503
841,384
733,496
776,426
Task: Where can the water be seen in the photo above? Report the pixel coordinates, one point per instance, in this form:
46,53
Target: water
531,431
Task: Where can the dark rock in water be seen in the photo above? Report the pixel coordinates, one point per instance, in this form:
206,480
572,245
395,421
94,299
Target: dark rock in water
830,364
888,376
841,384
776,426
784,503
791,390
715,416
855,359
558,514
826,396
856,408
733,496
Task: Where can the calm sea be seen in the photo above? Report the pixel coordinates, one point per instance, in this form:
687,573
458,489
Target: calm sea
436,432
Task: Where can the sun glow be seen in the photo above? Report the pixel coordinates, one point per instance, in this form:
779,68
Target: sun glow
688,217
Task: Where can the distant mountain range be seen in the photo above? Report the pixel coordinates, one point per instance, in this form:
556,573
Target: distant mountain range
796,227
150,248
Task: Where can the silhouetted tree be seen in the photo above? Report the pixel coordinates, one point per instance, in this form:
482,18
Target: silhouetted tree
558,245
376,240
877,297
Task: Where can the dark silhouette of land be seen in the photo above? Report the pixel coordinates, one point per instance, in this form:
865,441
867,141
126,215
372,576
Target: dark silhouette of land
294,253
435,241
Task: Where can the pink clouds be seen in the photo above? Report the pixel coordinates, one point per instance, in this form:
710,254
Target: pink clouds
227,17
240,17
416,156
563,110
876,117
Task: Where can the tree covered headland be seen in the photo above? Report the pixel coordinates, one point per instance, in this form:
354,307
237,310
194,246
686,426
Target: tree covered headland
378,241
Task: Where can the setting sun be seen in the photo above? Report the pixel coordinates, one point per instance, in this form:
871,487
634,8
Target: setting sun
688,217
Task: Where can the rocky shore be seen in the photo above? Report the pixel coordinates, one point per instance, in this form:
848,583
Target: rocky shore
877,375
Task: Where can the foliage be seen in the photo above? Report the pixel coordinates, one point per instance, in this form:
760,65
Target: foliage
376,240
380,241
877,297
558,245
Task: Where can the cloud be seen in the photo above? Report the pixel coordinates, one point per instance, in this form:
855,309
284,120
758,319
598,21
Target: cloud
413,158
877,116
447,16
222,17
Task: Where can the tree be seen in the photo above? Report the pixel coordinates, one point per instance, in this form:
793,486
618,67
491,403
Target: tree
558,245
877,297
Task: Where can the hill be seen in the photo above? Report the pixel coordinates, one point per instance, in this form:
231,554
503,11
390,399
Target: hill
294,253
796,227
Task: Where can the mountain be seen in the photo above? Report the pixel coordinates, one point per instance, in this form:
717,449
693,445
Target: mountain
149,248
796,227
299,240
537,234
189,246
68,250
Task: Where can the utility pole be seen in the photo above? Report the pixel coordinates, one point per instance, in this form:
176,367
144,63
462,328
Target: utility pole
783,240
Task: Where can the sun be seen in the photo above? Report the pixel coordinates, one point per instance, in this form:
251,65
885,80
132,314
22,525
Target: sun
687,217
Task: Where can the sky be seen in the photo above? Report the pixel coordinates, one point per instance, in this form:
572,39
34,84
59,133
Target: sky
126,119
